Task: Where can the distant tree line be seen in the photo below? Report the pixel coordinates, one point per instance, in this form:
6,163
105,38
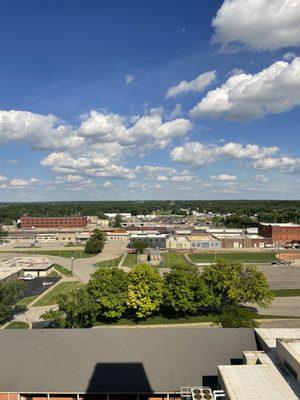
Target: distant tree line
265,210
112,294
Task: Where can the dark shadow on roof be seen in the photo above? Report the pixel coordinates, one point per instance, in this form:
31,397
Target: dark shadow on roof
119,378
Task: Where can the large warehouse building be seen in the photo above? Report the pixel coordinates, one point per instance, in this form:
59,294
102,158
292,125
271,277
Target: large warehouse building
28,222
280,233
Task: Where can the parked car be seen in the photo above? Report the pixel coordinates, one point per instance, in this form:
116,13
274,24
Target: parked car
27,277
47,283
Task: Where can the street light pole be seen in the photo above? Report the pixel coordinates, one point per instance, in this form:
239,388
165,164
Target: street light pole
72,262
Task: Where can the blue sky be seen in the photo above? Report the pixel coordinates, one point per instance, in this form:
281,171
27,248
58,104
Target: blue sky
106,100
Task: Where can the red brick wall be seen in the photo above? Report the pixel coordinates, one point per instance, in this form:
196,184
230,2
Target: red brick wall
280,234
8,396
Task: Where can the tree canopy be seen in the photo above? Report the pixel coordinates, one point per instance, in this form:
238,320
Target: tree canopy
10,293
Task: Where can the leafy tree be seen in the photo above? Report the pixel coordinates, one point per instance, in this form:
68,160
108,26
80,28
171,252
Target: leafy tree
237,317
108,288
76,309
139,246
118,221
10,293
235,283
186,292
97,234
93,246
96,242
145,290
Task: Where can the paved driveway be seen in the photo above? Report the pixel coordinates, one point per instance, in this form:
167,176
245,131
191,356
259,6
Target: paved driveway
283,306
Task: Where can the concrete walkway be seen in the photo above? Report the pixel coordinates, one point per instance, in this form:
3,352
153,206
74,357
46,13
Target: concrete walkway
283,306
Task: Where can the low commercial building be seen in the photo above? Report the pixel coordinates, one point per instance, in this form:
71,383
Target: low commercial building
282,234
8,273
152,240
34,266
238,241
178,243
204,242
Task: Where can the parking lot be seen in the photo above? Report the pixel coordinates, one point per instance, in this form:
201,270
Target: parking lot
39,285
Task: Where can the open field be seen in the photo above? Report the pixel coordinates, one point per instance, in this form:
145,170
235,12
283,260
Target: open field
170,259
236,257
51,297
59,253
130,260
286,292
25,301
17,325
109,263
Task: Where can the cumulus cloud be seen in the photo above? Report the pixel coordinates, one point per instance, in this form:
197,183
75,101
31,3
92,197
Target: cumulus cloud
196,85
198,154
150,129
129,78
284,163
224,177
273,90
289,56
261,178
38,131
258,24
107,184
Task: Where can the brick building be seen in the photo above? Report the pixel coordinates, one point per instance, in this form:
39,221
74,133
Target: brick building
28,222
280,233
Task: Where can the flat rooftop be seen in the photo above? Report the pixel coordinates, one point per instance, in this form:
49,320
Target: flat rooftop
6,271
259,382
127,360
269,336
289,225
27,263
293,347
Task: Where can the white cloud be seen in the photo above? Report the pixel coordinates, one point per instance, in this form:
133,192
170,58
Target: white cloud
261,178
196,85
235,71
273,90
177,111
107,184
284,163
38,131
162,178
3,178
182,178
129,78
258,24
199,154
224,177
16,182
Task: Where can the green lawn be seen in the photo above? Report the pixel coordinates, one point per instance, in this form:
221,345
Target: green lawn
51,297
17,325
170,259
25,301
60,253
163,320
130,260
286,292
241,257
109,263
64,271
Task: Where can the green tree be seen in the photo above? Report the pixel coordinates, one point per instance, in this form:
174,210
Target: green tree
237,317
96,242
93,246
108,288
145,291
76,309
118,221
139,246
235,283
10,293
186,292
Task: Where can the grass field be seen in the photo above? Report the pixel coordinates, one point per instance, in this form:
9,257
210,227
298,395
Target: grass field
64,271
170,259
286,292
25,301
17,325
241,257
60,253
51,297
109,263
130,260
